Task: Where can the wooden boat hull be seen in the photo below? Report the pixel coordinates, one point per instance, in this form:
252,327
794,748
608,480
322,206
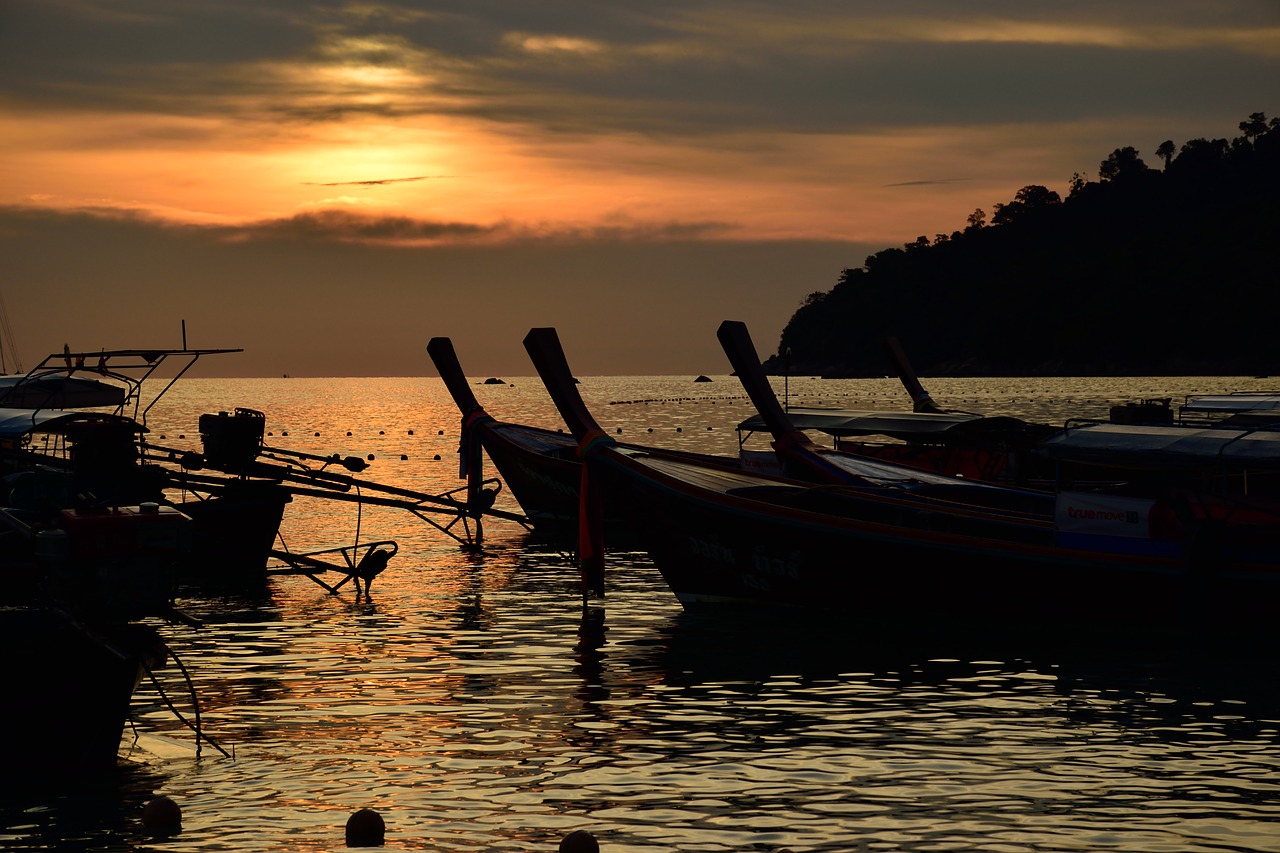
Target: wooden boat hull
235,530
770,543
542,470
69,692
542,467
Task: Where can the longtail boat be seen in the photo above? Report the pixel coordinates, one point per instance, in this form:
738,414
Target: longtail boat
998,449
541,466
912,548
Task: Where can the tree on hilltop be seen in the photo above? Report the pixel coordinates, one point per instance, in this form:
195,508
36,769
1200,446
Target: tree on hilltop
1140,272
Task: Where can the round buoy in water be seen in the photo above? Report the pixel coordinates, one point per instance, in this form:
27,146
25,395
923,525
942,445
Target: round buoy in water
366,828
579,841
162,815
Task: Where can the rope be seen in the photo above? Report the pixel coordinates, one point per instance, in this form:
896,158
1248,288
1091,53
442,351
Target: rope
591,440
195,702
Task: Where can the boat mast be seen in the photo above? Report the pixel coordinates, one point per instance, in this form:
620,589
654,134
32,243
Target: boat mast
6,341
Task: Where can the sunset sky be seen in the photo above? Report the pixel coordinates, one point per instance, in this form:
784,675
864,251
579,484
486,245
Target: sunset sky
330,184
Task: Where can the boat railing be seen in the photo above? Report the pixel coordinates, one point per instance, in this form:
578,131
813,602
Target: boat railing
130,368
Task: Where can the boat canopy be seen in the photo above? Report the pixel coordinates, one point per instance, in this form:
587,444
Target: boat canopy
59,392
1245,401
15,423
114,380
849,422
1170,445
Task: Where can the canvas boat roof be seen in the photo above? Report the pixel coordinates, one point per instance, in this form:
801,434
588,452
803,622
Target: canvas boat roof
1245,401
852,422
1174,445
59,391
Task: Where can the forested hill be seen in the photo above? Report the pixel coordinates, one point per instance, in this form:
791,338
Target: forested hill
1165,270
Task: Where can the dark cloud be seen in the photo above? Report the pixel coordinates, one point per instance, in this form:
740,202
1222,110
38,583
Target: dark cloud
376,183
927,183
661,68
330,308
355,227
352,226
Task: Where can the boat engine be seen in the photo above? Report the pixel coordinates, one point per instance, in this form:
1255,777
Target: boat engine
232,442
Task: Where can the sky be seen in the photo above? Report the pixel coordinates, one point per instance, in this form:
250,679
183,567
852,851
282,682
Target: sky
327,184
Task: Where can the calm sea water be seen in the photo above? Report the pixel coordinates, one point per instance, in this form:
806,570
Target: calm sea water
477,706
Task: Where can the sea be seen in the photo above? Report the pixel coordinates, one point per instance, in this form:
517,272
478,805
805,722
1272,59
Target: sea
476,703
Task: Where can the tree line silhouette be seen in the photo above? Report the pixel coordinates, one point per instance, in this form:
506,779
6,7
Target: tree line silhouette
1142,272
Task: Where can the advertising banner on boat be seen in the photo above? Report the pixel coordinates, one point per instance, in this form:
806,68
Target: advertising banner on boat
760,462
1088,513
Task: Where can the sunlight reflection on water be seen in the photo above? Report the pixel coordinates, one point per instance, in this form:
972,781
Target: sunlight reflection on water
477,706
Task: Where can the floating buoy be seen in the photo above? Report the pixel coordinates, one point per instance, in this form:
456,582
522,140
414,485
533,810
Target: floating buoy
437,457
650,429
440,432
679,429
619,430
382,432
162,815
317,434
348,432
403,456
579,841
410,432
370,457
366,828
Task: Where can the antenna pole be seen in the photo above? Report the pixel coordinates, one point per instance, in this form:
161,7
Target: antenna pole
786,381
